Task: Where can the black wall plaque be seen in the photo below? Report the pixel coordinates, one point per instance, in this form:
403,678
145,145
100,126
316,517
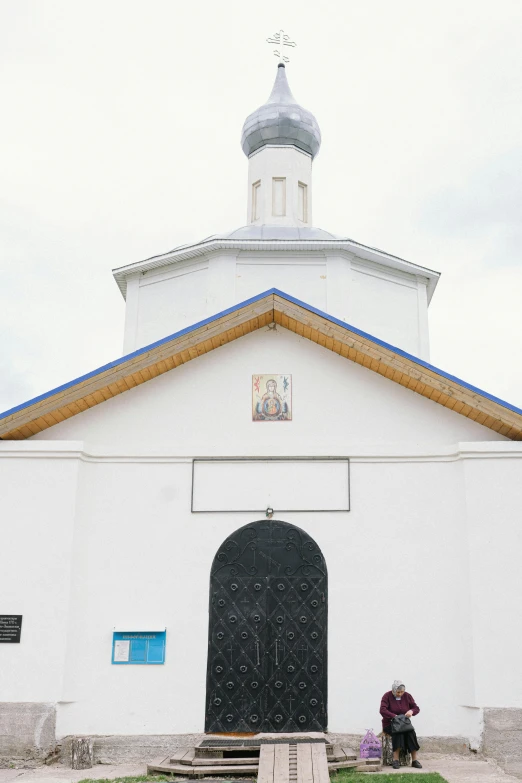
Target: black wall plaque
10,628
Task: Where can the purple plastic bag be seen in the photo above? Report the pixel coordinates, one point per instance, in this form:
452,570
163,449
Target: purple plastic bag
371,746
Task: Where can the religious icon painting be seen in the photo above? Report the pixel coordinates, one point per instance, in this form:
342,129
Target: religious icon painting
271,398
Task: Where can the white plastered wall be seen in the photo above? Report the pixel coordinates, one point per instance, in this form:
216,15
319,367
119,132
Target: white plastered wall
356,406
39,491
141,557
388,304
495,547
282,163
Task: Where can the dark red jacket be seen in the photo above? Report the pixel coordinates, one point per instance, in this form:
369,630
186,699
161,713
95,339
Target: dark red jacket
391,707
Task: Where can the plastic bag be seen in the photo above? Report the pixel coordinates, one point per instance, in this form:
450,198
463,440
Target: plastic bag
370,746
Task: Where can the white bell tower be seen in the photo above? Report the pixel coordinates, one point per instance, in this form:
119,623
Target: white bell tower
281,140
279,247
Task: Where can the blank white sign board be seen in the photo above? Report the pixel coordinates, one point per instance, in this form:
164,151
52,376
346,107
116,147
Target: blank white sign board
281,484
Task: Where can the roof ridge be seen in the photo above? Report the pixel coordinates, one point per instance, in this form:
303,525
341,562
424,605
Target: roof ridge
253,313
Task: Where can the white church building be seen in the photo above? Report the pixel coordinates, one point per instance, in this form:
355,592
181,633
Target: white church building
269,508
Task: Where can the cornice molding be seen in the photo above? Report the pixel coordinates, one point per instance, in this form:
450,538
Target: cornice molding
215,244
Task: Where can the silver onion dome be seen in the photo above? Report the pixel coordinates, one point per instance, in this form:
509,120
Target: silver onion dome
281,121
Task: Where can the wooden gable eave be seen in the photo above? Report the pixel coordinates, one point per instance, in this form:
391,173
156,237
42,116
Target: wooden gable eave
134,370
397,366
290,313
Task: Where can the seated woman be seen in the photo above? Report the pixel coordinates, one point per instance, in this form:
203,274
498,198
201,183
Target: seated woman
398,702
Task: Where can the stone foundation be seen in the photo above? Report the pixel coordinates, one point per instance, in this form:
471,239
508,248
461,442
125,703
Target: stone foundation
27,732
27,738
127,749
444,745
503,738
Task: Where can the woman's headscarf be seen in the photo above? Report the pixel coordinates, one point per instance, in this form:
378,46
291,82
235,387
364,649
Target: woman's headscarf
398,685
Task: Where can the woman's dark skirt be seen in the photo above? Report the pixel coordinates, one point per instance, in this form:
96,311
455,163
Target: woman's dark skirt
406,741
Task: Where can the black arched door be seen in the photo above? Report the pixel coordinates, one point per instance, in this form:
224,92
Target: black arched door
267,662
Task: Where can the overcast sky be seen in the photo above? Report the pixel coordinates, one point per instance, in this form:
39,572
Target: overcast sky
120,123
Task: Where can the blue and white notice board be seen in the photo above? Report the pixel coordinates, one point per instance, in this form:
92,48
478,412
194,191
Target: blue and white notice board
138,647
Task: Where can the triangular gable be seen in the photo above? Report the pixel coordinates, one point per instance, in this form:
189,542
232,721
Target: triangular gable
136,368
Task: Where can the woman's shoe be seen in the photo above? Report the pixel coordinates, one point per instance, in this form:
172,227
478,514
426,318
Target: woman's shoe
396,764
416,764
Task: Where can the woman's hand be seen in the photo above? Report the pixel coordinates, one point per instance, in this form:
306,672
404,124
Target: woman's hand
409,713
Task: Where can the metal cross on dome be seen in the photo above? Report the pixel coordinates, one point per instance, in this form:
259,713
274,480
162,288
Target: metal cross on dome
281,40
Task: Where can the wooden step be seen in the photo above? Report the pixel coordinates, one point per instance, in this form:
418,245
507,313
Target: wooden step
277,763
183,756
221,748
352,764
336,753
369,768
224,762
164,765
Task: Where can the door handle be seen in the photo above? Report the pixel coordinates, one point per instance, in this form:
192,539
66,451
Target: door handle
257,653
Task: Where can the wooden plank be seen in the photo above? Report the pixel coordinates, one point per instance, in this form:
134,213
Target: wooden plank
282,763
187,771
177,755
14,435
319,763
223,762
157,763
266,764
304,763
41,423
188,756
219,748
350,753
346,764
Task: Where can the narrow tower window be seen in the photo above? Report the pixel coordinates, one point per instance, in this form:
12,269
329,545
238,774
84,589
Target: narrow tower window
256,193
302,202
279,196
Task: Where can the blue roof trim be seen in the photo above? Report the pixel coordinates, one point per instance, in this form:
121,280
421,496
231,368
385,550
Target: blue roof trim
139,352
235,308
398,351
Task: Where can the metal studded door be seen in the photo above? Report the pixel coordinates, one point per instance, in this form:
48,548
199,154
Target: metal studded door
267,650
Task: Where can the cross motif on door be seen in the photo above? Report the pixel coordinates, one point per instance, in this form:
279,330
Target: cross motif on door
258,663
230,649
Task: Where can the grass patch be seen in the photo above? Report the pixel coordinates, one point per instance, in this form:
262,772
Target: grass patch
345,776
137,779
160,778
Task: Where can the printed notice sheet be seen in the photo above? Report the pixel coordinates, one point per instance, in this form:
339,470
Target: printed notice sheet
121,650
